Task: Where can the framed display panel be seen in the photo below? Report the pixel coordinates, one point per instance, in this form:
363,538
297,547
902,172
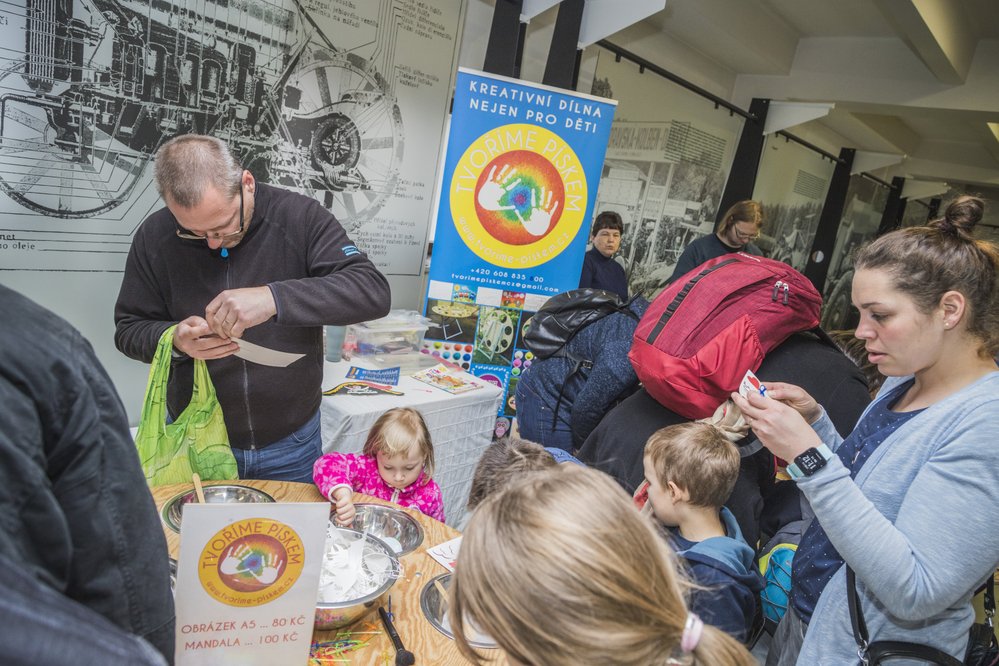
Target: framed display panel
865,203
669,156
791,184
341,100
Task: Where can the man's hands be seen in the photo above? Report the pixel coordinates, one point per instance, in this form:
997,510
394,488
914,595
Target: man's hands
345,512
195,338
226,318
235,310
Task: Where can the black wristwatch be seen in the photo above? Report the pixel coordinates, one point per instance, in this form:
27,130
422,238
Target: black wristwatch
810,462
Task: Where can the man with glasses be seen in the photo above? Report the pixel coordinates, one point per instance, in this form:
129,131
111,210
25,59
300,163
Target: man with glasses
739,228
600,271
231,259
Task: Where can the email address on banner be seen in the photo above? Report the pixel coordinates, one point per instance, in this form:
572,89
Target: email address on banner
508,284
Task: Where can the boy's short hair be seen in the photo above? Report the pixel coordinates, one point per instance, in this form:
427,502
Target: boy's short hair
698,459
607,220
504,461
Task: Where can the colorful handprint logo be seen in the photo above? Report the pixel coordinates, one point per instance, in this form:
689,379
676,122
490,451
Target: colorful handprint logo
518,196
251,562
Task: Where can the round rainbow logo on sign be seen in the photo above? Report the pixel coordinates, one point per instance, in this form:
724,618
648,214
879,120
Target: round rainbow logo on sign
251,562
518,196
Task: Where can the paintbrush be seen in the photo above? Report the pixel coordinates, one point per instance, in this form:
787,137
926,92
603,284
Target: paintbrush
403,657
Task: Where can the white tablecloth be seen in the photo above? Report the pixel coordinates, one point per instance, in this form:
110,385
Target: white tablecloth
461,426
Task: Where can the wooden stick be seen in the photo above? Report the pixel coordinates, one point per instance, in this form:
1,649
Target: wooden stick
197,487
441,591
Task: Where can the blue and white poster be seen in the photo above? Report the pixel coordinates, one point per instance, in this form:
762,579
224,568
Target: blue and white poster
519,185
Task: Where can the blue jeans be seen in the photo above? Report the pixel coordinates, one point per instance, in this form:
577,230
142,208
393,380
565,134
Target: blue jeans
288,459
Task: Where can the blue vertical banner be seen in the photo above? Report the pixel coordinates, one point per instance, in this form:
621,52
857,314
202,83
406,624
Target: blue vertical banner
519,184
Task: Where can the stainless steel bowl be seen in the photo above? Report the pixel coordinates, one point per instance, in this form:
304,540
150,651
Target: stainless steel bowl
435,610
334,615
393,526
222,494
173,575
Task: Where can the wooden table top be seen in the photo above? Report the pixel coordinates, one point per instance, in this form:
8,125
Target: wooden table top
419,637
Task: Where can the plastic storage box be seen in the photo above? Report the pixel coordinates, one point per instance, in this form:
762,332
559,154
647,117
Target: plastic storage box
401,332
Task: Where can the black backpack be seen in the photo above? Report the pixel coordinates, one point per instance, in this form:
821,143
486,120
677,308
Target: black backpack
564,315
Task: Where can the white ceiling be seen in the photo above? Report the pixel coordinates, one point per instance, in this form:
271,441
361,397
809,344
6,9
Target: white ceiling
919,78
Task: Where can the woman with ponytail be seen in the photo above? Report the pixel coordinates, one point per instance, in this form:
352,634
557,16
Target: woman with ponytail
909,500
560,569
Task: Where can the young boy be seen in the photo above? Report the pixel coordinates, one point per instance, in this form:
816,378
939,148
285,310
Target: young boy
600,271
508,459
691,469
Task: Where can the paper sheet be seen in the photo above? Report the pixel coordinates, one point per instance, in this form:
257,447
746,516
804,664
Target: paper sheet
446,553
264,355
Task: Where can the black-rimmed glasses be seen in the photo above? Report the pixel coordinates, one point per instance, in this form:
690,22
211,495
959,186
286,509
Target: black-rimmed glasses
746,237
187,235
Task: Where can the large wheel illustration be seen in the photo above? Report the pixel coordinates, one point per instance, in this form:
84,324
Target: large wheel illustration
54,159
346,116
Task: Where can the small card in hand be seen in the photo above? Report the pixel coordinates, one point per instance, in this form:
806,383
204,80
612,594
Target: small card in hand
751,384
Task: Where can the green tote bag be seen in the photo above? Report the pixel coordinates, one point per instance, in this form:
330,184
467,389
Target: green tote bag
196,442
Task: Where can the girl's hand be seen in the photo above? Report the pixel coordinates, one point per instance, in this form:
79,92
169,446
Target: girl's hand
345,511
795,397
780,426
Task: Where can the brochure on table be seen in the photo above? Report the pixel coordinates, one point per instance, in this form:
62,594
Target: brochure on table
247,582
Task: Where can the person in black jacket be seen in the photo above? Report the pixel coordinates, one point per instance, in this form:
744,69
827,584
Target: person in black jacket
600,270
230,259
616,445
77,515
41,626
560,400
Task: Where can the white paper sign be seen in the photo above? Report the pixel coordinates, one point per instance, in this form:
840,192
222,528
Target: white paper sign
247,582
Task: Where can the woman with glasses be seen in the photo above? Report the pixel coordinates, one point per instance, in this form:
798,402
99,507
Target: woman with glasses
739,228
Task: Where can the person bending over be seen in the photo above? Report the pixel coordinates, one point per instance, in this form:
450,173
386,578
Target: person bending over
231,259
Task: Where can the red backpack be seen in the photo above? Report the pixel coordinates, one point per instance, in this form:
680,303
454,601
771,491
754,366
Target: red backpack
700,335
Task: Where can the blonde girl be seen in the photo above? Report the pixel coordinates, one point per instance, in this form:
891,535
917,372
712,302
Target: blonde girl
397,464
560,569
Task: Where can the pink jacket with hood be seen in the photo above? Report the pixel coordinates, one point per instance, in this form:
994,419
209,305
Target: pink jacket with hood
360,473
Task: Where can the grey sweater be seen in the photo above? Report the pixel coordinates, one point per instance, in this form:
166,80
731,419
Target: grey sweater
918,526
317,276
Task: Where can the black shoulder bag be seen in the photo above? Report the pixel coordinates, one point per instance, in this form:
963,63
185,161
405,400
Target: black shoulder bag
983,649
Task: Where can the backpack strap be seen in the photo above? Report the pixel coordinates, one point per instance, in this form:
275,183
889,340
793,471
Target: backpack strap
579,364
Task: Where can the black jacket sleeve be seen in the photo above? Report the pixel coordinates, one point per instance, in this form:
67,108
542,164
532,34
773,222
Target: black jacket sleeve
84,519
342,287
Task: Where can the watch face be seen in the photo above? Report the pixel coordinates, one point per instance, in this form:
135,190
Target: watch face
810,462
